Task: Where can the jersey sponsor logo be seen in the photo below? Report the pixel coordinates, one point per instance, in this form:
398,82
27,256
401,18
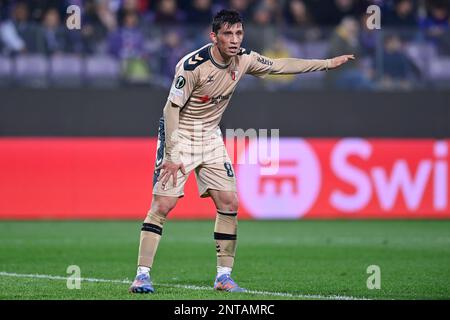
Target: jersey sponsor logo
265,61
180,82
204,99
215,100
220,98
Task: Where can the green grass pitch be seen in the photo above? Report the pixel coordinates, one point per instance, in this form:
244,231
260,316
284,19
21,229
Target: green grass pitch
275,259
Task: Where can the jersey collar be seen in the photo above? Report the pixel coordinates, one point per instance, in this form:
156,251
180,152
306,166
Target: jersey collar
218,65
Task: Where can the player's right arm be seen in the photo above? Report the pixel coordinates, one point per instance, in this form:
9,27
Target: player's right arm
260,65
295,66
172,162
180,92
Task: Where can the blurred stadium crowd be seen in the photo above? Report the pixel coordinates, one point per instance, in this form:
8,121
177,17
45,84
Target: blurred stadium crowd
138,42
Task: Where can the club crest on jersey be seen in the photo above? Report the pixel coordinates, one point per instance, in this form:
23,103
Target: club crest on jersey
234,74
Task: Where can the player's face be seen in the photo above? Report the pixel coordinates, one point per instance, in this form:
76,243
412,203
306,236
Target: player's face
229,38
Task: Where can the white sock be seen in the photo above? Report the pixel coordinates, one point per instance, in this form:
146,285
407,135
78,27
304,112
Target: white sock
142,269
223,270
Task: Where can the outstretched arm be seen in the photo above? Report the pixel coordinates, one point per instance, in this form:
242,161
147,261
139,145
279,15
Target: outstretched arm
294,66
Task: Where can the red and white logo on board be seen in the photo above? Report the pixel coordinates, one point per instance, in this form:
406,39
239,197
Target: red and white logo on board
291,192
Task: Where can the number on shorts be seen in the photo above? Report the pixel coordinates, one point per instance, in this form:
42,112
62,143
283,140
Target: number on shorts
229,169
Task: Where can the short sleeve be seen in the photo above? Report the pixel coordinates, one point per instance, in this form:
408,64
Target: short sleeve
259,65
182,86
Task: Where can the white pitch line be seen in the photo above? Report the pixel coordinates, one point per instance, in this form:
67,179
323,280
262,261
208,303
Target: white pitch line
190,287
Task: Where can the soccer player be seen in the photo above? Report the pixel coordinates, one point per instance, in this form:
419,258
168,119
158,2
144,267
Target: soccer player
189,139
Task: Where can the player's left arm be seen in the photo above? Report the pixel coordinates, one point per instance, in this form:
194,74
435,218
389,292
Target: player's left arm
295,66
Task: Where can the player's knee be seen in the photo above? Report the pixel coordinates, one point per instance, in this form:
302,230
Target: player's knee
159,211
234,206
163,207
155,217
229,203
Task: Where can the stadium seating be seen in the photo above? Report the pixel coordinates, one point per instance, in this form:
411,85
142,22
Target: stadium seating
440,72
32,70
66,70
6,70
102,71
421,54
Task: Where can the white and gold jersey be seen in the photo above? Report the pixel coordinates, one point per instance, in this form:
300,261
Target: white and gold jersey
202,88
